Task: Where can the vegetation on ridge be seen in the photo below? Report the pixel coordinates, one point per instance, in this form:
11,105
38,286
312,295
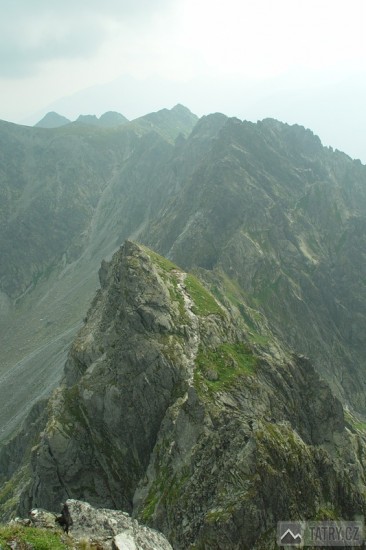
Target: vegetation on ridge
40,539
162,262
204,303
220,368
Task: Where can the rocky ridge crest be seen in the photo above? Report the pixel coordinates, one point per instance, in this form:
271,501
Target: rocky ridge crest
169,411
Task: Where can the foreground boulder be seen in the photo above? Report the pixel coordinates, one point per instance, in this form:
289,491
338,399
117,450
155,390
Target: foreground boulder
104,529
109,528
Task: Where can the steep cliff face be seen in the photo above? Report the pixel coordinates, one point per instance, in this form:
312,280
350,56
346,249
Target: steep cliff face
51,175
69,197
131,360
229,464
169,410
284,218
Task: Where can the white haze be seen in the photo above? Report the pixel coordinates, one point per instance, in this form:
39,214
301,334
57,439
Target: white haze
300,62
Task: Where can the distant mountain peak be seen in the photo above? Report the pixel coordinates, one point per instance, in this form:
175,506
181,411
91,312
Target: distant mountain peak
181,108
109,119
112,118
169,122
52,120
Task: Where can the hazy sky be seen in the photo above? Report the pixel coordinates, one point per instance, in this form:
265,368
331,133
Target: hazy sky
298,60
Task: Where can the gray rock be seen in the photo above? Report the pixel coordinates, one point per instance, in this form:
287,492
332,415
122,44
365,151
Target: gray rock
17,545
43,519
109,528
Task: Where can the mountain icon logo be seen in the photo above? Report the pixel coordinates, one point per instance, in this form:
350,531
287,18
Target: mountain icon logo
290,538
289,533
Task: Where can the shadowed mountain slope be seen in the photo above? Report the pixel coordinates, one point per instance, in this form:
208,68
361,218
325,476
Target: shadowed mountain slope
284,218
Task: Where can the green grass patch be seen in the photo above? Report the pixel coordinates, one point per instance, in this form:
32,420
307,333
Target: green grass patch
41,539
218,515
354,422
220,368
160,261
166,488
150,504
360,426
324,514
257,338
72,409
175,295
267,291
9,490
157,491
229,289
204,303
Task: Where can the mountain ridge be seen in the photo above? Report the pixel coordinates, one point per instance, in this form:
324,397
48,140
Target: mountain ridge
52,120
198,396
190,381
280,212
45,295
109,119
267,193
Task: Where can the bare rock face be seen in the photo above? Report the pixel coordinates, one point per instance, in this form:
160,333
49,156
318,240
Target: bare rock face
42,518
127,366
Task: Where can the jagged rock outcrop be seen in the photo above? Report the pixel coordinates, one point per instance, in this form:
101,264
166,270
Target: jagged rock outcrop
171,411
230,463
69,197
131,361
